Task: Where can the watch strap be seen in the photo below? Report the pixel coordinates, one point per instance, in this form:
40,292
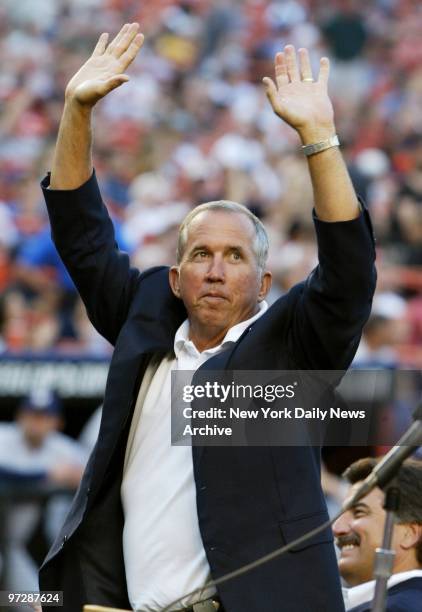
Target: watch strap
317,147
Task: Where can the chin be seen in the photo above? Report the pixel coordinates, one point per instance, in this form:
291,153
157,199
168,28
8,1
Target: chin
346,571
213,316
214,322
352,577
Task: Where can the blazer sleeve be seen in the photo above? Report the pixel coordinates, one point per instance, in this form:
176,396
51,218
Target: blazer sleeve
336,298
83,234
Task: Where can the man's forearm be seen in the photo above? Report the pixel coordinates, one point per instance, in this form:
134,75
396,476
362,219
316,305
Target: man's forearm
334,195
72,161
101,73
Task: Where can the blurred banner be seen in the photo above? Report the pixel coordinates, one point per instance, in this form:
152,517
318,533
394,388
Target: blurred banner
76,377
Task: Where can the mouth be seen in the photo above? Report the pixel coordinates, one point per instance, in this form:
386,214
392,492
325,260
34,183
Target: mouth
347,546
214,296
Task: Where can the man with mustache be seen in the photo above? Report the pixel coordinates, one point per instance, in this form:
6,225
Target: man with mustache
152,521
359,532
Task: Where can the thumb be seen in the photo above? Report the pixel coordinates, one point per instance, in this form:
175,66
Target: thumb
113,82
89,92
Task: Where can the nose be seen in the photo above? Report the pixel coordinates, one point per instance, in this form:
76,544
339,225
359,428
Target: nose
341,525
216,270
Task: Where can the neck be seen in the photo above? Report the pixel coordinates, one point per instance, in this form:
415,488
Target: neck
207,336
210,339
406,564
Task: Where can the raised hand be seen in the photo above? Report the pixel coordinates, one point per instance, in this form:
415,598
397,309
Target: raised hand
105,69
296,97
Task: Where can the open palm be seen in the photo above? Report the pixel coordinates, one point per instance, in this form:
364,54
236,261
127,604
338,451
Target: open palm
295,96
104,70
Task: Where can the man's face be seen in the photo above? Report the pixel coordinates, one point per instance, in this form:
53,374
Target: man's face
218,278
37,426
359,532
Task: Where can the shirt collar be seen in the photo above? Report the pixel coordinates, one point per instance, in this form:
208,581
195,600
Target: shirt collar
181,339
365,592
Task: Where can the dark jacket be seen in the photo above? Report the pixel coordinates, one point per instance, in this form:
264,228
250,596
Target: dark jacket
250,500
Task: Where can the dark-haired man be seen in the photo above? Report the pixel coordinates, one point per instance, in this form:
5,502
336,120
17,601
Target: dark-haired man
359,532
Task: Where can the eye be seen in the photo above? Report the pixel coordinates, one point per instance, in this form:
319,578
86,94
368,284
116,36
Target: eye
200,255
359,513
235,256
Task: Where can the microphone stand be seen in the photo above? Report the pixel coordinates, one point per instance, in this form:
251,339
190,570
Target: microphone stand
384,559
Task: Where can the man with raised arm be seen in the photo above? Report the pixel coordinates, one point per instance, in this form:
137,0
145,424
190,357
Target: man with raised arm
152,521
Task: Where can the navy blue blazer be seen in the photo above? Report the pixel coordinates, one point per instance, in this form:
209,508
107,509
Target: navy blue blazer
403,597
249,500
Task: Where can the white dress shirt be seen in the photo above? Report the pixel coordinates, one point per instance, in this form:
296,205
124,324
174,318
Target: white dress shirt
365,592
163,550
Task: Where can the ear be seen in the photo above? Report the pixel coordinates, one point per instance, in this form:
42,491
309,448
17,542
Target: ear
266,282
411,535
174,280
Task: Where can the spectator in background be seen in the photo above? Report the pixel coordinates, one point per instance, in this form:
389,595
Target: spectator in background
407,216
376,347
386,328
49,292
346,35
34,454
359,532
346,32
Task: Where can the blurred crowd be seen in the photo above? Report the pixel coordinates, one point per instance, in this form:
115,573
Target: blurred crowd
193,125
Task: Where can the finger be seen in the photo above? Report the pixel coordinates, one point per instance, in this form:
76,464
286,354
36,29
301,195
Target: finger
101,45
118,38
324,70
281,76
271,92
129,55
126,40
305,64
290,58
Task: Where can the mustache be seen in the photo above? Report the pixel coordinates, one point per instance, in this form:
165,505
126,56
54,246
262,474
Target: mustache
352,538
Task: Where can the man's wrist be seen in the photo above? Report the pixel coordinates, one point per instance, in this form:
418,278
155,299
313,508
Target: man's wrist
316,133
73,106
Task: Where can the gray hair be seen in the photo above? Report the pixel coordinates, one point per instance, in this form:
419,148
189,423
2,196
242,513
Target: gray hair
260,245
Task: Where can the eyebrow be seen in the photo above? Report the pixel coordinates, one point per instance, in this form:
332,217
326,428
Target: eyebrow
200,247
204,247
360,506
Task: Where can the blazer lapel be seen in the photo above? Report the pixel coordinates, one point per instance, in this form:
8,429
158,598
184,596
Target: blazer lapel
150,331
219,362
